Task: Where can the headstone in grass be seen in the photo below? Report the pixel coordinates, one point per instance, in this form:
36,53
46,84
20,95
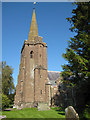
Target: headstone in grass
43,106
71,114
2,117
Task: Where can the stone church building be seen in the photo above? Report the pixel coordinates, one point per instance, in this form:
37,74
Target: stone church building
35,84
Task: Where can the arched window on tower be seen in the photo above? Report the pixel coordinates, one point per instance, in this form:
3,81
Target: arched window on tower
41,91
31,54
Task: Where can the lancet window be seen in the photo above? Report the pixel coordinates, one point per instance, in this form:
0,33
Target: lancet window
31,54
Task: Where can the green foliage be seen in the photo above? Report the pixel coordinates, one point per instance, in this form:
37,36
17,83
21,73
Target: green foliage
8,88
7,79
11,97
77,55
87,113
5,101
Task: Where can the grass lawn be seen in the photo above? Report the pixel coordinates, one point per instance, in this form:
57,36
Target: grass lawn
34,113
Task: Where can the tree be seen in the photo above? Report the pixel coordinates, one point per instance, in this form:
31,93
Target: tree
7,79
8,89
77,72
5,101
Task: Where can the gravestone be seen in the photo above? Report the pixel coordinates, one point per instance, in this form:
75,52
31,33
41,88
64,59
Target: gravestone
71,114
2,117
43,106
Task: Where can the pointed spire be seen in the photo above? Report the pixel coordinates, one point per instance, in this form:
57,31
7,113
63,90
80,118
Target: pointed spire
33,28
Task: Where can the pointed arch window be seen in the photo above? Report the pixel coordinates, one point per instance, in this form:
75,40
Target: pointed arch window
31,54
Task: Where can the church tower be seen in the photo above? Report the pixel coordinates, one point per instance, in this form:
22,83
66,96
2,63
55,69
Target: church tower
32,87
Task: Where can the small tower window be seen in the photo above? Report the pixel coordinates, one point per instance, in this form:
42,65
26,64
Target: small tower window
40,76
31,54
41,91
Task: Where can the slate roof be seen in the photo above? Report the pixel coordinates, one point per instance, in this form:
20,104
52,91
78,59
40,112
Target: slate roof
53,76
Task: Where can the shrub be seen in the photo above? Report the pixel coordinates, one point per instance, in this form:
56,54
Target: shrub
5,101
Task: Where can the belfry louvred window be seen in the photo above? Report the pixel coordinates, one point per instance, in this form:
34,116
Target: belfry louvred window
31,54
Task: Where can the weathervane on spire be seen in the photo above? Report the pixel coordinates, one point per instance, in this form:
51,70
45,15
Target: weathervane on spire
34,4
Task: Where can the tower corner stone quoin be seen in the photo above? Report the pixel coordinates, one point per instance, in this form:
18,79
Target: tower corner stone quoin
32,84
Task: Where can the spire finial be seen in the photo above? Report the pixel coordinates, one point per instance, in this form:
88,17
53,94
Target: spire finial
34,5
